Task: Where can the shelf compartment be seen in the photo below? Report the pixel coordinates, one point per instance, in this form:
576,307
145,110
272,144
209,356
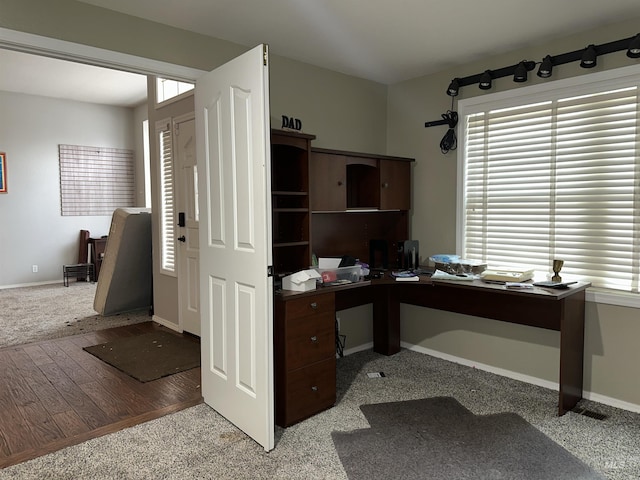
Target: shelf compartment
281,200
290,226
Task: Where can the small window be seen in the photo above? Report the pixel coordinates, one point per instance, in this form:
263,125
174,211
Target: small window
168,89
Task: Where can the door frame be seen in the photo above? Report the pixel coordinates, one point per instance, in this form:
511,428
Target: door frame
99,57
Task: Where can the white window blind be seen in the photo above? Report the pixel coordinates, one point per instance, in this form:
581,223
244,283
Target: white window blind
95,180
167,197
558,178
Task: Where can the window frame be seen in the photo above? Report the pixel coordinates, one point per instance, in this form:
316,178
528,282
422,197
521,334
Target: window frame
176,98
570,87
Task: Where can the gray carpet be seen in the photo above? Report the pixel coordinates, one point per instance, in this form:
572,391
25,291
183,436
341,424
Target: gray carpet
197,443
32,314
436,438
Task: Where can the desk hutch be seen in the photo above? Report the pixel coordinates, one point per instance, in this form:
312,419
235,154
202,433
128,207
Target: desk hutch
328,203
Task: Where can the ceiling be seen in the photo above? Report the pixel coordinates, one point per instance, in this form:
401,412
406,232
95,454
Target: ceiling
386,41
70,80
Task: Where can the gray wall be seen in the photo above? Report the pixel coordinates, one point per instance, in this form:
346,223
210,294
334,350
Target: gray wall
611,355
32,231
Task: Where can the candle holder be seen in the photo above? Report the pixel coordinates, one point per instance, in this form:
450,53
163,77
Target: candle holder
557,266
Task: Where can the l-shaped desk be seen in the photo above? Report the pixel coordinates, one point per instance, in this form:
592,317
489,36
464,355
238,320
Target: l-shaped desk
559,310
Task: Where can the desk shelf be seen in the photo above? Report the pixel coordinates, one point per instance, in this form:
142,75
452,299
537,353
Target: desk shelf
291,217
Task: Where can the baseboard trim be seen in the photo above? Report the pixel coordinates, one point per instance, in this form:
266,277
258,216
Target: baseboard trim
166,323
359,348
596,397
31,284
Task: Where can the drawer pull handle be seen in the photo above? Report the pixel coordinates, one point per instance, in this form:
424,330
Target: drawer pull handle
314,389
314,339
314,305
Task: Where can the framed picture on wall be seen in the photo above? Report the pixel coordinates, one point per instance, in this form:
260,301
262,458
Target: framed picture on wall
3,172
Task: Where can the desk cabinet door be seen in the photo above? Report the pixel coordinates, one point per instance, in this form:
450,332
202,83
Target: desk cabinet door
328,182
395,185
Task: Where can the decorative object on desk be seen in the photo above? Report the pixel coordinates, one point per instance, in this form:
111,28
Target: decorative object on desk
3,172
291,123
557,266
439,438
149,356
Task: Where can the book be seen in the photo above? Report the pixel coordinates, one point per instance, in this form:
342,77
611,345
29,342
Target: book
414,278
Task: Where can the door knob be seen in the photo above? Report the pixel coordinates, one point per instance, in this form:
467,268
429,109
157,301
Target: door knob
182,239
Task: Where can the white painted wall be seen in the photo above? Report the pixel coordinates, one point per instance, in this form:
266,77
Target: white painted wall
32,230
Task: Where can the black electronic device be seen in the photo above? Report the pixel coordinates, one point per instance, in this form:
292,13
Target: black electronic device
408,255
556,285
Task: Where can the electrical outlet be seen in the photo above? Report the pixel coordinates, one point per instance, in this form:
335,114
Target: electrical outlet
34,268
338,322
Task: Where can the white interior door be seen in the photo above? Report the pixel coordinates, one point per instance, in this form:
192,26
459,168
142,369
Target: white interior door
233,138
186,168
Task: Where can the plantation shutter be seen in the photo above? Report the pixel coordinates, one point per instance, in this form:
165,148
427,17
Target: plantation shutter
556,179
167,199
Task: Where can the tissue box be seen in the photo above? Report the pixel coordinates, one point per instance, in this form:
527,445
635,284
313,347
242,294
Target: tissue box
301,281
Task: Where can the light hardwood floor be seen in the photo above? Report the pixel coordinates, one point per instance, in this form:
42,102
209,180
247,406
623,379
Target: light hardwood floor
53,394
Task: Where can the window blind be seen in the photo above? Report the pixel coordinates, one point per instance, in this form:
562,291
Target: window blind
167,198
556,179
95,180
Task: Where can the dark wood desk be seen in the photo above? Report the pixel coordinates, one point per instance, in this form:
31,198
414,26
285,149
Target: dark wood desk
559,310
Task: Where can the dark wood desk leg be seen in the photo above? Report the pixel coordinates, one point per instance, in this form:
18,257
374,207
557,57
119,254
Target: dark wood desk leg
386,321
571,352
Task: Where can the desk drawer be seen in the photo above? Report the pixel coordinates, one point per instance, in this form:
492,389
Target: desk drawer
310,305
309,340
309,390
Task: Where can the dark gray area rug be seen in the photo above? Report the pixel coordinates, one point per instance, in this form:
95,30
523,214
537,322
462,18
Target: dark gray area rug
150,356
438,438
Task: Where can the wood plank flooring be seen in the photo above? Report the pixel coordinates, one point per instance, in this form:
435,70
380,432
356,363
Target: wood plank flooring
53,394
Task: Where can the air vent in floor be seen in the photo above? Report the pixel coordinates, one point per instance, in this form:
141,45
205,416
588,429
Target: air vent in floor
588,413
